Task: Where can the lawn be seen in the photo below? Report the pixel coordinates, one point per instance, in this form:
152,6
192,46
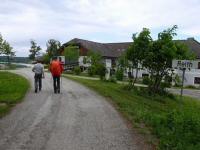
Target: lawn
12,90
175,123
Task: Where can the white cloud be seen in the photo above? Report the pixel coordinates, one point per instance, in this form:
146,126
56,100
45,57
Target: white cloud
22,20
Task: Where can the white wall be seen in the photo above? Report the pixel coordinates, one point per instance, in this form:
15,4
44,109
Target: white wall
80,60
189,76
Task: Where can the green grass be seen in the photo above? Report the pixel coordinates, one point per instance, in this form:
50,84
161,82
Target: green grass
12,90
175,123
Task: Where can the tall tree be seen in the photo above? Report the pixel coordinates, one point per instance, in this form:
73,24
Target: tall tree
34,50
1,44
138,49
53,47
7,50
71,53
159,58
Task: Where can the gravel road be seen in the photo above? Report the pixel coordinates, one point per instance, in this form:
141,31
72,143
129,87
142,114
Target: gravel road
76,119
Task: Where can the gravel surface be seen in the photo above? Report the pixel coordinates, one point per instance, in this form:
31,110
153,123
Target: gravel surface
76,119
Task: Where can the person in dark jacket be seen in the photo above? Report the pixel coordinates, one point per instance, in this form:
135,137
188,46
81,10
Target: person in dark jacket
56,69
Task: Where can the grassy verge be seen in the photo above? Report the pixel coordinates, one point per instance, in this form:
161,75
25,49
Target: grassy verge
12,90
175,123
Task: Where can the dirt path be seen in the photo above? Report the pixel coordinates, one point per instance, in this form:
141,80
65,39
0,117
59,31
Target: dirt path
76,119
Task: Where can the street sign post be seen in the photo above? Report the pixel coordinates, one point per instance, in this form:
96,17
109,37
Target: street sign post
184,65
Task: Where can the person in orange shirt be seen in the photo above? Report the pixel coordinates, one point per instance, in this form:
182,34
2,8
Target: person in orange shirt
56,69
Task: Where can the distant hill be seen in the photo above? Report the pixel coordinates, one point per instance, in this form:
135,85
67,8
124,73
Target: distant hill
15,59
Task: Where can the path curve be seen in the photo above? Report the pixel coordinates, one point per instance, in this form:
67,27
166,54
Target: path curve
76,119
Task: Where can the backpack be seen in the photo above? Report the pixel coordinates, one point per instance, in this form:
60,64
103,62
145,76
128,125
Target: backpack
55,68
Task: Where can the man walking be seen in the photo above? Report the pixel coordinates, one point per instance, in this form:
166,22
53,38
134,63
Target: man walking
56,70
38,69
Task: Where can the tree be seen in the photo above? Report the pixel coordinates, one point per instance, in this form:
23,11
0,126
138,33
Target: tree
53,47
94,58
138,49
97,67
7,50
34,50
71,53
1,44
159,58
46,58
182,52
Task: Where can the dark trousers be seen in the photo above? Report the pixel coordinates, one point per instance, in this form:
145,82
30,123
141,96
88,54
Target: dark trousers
56,84
38,81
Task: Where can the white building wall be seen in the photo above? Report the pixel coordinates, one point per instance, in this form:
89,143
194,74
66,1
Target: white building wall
140,72
80,60
189,76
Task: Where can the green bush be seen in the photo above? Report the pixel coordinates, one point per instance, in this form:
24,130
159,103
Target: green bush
191,87
111,79
177,81
146,80
119,74
101,71
91,70
181,131
165,85
167,82
77,70
46,66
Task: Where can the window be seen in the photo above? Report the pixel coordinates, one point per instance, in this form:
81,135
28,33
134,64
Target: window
198,65
196,80
145,75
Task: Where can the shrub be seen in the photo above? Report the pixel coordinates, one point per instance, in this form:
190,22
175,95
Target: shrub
177,81
182,129
167,82
191,87
146,80
111,79
77,70
101,71
91,70
119,74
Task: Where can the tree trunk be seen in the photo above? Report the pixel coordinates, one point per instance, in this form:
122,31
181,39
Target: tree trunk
136,75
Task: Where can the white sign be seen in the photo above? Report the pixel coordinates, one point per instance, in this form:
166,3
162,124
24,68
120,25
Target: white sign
108,63
187,64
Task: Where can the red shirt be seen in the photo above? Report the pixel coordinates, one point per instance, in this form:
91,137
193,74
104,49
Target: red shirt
56,68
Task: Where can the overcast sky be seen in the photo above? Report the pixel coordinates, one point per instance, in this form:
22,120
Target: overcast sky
97,20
